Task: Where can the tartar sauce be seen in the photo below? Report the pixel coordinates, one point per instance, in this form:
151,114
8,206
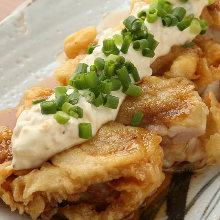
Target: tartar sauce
38,137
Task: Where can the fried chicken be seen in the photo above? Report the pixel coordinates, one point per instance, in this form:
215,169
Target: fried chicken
108,176
174,110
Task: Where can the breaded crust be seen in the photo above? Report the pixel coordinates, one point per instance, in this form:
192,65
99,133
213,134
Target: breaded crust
125,160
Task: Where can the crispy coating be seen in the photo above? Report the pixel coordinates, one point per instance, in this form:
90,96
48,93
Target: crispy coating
78,42
211,139
33,94
122,163
163,101
212,14
174,110
65,71
5,144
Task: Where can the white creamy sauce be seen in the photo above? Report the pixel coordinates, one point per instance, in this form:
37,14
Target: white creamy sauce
37,137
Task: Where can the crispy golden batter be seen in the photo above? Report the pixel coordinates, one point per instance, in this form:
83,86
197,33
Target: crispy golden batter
65,71
174,110
78,42
33,94
5,144
212,14
163,101
211,139
108,176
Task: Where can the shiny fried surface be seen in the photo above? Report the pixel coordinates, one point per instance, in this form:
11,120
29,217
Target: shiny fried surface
162,101
5,144
126,161
174,110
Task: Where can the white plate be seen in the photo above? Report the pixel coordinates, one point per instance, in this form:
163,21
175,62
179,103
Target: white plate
30,39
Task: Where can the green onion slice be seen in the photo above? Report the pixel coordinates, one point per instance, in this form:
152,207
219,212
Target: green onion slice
34,102
189,44
133,90
111,102
99,63
60,90
137,119
109,47
126,43
152,15
61,117
85,130
48,107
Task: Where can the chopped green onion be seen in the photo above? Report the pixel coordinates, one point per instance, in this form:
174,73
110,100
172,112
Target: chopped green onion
167,6
140,44
98,101
123,76
81,68
93,68
109,68
116,84
189,44
152,15
141,33
166,21
61,117
211,2
91,79
148,53
185,23
72,110
204,26
106,86
60,100
60,90
48,107
120,59
126,43
128,22
112,57
85,130
136,120
99,63
111,102
133,90
79,82
195,27
91,48
152,43
136,26
142,15
67,108
89,96
183,1
74,98
179,13
34,102
109,47
79,111
133,70
102,76
118,39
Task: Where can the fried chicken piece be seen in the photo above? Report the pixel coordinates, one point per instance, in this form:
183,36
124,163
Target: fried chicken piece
211,139
174,110
105,178
5,144
211,14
